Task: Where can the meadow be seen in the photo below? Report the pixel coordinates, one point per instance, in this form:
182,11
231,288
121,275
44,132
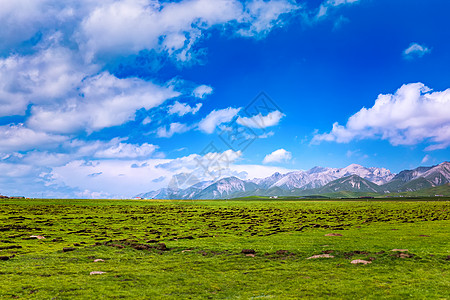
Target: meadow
224,249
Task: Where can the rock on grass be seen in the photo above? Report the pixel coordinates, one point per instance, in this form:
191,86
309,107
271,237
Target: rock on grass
333,234
321,256
360,261
39,237
96,273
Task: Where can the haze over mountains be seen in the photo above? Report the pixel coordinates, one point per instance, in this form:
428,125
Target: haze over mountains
316,181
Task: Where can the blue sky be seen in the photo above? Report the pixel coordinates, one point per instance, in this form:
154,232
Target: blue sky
114,98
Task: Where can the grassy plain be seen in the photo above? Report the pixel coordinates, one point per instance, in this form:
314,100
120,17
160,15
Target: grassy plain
204,241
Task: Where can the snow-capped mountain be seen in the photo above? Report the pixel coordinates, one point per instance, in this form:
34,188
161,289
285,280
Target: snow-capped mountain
292,180
268,181
319,176
226,187
419,178
317,180
439,174
350,183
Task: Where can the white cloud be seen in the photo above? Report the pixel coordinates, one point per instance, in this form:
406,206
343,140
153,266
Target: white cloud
146,121
21,19
412,115
415,50
197,168
121,27
34,171
266,135
101,169
39,78
217,117
39,143
40,159
121,178
116,178
195,161
16,170
129,26
51,78
59,86
277,156
425,159
183,108
106,101
258,171
340,2
173,128
202,91
20,138
260,121
326,5
264,15
124,150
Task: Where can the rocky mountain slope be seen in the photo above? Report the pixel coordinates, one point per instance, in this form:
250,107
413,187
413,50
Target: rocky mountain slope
316,181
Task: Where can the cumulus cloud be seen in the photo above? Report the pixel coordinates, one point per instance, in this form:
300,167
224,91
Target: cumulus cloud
124,150
415,50
173,128
50,153
412,115
125,178
20,138
258,171
277,156
38,78
116,148
53,72
35,170
196,161
217,117
195,168
183,108
56,74
260,121
105,101
202,91
326,5
16,170
128,26
118,178
262,16
21,19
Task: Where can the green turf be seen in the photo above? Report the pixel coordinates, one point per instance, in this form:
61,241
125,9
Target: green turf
205,240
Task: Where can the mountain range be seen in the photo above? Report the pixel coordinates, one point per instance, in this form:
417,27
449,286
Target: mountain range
316,181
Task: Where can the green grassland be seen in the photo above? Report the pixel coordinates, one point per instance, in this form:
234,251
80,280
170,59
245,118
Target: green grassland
193,249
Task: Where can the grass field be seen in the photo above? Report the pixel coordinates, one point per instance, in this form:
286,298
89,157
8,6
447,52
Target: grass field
193,249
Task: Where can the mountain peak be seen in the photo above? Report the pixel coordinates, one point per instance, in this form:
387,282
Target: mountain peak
353,178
